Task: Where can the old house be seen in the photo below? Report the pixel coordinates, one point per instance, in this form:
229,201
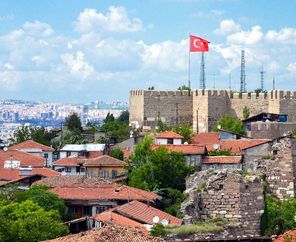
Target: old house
82,150
168,137
35,148
91,199
136,214
221,162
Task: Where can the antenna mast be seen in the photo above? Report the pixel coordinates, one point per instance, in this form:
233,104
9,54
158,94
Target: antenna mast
243,73
202,84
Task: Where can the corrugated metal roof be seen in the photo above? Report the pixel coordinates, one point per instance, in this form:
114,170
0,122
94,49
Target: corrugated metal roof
82,147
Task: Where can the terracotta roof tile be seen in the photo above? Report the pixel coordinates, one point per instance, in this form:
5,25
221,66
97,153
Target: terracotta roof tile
168,135
187,149
289,234
94,154
67,161
69,180
104,160
103,191
8,174
110,216
237,146
145,213
221,159
31,144
206,138
24,158
110,233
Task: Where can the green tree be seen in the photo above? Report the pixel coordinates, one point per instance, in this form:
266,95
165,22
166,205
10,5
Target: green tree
72,122
38,134
28,222
259,90
230,124
159,169
161,126
151,88
184,88
158,230
123,117
109,118
184,130
224,152
246,112
117,153
39,195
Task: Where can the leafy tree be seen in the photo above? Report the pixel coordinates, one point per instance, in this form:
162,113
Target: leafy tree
230,124
184,130
151,88
159,169
28,222
38,134
141,153
158,230
109,118
259,90
246,112
124,116
117,153
73,122
161,126
39,195
184,88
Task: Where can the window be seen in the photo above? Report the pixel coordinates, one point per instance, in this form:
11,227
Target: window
103,173
114,173
171,141
86,211
45,155
68,153
101,209
68,169
274,152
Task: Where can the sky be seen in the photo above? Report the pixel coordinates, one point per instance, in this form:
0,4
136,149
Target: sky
79,51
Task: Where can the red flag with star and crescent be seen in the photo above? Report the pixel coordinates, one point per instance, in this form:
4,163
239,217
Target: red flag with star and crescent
198,44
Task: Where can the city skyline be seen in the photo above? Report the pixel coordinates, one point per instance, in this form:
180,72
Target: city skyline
65,51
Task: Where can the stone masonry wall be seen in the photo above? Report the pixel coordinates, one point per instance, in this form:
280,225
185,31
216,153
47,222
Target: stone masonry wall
225,194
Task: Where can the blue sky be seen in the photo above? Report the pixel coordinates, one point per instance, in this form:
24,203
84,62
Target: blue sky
84,50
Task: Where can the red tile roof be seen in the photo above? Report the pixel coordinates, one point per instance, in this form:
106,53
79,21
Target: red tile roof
168,135
103,191
31,144
237,146
221,159
110,233
110,216
291,234
189,149
68,161
24,158
104,160
206,138
8,174
145,213
94,154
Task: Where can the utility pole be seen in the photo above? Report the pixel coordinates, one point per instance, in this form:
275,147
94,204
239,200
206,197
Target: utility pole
243,73
202,84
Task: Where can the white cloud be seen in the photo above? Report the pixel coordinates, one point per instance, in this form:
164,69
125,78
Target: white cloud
285,36
227,26
116,20
8,66
246,37
78,65
38,29
292,68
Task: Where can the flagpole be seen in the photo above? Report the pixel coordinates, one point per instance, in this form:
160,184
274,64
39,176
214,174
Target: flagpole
189,82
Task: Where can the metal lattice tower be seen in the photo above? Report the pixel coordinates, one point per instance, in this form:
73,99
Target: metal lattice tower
273,83
262,79
202,83
243,73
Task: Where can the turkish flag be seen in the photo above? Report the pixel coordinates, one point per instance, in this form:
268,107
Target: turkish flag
198,44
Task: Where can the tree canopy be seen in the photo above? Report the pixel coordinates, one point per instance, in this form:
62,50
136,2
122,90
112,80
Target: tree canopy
72,122
183,88
117,153
230,124
28,222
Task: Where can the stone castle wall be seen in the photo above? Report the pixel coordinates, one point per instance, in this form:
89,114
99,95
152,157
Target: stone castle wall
225,194
203,108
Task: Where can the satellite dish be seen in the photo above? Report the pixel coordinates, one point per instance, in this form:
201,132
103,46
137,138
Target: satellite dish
5,148
164,222
185,143
218,126
216,146
155,219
